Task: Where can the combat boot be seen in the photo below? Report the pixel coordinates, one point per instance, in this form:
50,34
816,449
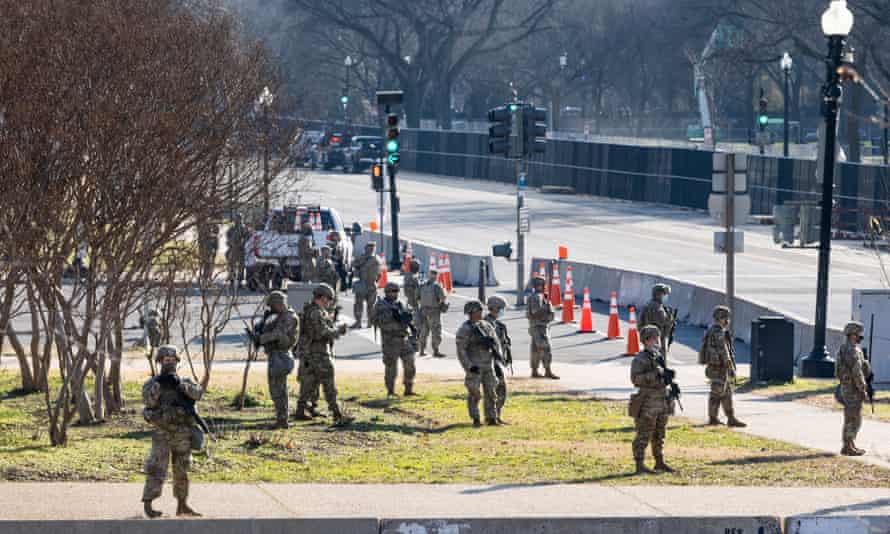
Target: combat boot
340,419
423,352
150,512
183,510
409,390
491,422
851,450
857,450
535,373
437,354
735,423
642,469
661,467
300,414
313,412
476,422
280,424
714,421
549,374
356,325
391,392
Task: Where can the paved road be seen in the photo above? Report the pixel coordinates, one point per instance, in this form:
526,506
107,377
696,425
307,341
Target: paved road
470,215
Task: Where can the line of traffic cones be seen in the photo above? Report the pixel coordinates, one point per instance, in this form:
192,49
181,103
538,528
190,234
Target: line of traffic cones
633,335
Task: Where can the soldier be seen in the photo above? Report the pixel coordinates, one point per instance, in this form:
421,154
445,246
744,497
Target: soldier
657,313
855,375
718,355
365,288
153,328
433,303
338,253
236,239
307,253
495,306
394,322
327,272
208,244
539,314
164,396
412,286
316,352
278,333
477,349
650,406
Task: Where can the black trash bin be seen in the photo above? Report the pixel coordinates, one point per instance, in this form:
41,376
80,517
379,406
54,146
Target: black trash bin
772,349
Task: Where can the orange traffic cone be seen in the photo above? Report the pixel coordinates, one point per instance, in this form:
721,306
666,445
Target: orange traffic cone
568,303
432,266
409,253
555,290
383,274
449,282
614,331
586,315
633,336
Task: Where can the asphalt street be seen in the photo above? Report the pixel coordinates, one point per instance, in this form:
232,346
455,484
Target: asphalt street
470,215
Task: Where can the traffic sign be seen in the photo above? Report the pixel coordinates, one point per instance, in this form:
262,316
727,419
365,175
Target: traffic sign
524,220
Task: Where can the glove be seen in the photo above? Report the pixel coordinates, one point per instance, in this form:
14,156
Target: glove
342,329
474,369
669,375
170,380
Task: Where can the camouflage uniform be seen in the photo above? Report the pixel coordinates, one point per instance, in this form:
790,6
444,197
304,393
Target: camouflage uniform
280,334
657,314
172,437
411,286
208,244
236,239
316,340
719,359
539,313
650,406
395,343
433,303
852,370
307,253
499,367
327,272
478,363
365,288
153,328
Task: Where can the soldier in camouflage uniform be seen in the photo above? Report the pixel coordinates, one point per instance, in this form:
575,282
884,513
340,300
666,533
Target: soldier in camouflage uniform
173,429
412,286
657,313
718,355
433,303
650,406
394,321
316,352
236,239
208,244
539,313
327,272
853,372
477,350
279,333
307,253
496,305
365,288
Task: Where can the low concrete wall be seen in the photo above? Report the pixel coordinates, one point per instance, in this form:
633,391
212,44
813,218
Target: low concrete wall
202,526
464,265
694,302
837,525
627,525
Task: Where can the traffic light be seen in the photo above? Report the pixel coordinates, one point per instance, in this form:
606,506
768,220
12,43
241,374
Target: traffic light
499,131
502,250
534,130
392,139
377,177
344,99
762,117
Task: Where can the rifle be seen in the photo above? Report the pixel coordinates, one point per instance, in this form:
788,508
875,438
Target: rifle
673,314
508,352
182,401
870,390
491,343
668,377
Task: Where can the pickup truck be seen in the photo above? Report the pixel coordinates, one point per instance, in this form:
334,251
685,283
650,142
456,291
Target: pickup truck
271,253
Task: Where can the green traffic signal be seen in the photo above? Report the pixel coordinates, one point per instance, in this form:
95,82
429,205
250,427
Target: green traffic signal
763,120
392,146
513,108
394,159
344,99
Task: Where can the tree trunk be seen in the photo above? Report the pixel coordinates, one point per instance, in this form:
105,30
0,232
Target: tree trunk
411,104
443,103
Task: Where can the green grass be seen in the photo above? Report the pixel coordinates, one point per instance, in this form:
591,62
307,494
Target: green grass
553,437
817,392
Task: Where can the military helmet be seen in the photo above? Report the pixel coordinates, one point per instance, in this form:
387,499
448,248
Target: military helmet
323,290
167,350
472,306
414,266
854,328
538,280
649,331
370,244
276,296
391,286
721,312
433,270
664,289
495,302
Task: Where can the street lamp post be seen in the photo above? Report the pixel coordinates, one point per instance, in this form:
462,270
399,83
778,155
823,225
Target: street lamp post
345,98
837,21
786,64
264,102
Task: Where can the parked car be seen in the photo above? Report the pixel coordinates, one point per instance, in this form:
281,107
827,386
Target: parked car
364,151
334,147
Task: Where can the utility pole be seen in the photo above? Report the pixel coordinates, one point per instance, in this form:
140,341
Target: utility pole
730,236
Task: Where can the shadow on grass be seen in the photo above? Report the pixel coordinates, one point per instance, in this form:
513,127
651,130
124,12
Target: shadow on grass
16,393
749,460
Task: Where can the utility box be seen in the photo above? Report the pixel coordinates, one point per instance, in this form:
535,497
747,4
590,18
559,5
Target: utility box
298,294
772,349
871,307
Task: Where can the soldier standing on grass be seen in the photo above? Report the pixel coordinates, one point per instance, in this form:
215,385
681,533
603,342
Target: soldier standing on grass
367,266
394,322
278,335
854,374
650,406
539,313
477,349
496,306
718,355
174,430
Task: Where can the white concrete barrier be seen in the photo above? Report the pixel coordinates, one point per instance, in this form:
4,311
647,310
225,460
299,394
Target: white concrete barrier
838,525
580,525
464,265
202,526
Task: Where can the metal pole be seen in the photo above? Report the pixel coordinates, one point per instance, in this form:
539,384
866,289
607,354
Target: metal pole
394,261
730,235
787,92
380,215
520,238
819,364
266,199
884,149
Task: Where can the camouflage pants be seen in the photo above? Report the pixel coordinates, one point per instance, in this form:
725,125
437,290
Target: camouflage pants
484,382
540,347
431,324
395,349
315,395
651,427
236,267
501,388
278,387
166,445
721,395
853,401
317,369
363,301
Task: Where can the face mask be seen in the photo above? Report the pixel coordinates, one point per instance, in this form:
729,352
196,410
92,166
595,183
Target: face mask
665,299
169,369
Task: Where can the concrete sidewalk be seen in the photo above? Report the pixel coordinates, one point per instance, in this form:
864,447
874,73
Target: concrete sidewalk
67,501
